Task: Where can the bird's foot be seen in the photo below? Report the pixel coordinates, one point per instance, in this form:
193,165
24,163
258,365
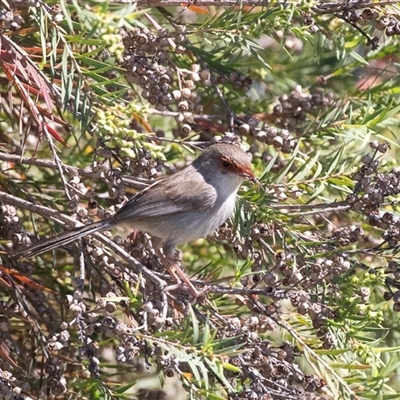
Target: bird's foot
198,296
177,256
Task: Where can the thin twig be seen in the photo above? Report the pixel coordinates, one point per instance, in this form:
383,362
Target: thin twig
243,291
134,182
204,3
334,7
57,161
315,208
81,268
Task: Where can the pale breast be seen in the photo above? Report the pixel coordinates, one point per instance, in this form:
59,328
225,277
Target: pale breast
186,226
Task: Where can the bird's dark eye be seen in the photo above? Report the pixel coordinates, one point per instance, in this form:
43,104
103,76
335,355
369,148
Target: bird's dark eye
226,163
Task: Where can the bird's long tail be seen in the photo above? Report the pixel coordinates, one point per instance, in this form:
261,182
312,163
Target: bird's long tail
63,239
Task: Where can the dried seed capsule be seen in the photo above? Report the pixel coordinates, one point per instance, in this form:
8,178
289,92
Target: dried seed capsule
195,77
244,129
180,28
198,109
163,32
180,38
186,129
177,94
186,93
110,308
183,105
141,39
205,75
179,118
154,90
189,117
152,100
383,147
160,107
166,98
164,87
165,78
277,142
189,84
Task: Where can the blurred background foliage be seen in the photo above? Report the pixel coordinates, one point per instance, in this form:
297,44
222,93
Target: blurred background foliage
99,99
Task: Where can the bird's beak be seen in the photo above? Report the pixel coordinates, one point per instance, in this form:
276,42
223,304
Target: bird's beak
247,173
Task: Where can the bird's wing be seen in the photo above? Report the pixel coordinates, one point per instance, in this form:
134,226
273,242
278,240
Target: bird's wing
174,194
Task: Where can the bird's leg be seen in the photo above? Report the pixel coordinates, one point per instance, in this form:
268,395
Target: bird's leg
156,246
171,263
